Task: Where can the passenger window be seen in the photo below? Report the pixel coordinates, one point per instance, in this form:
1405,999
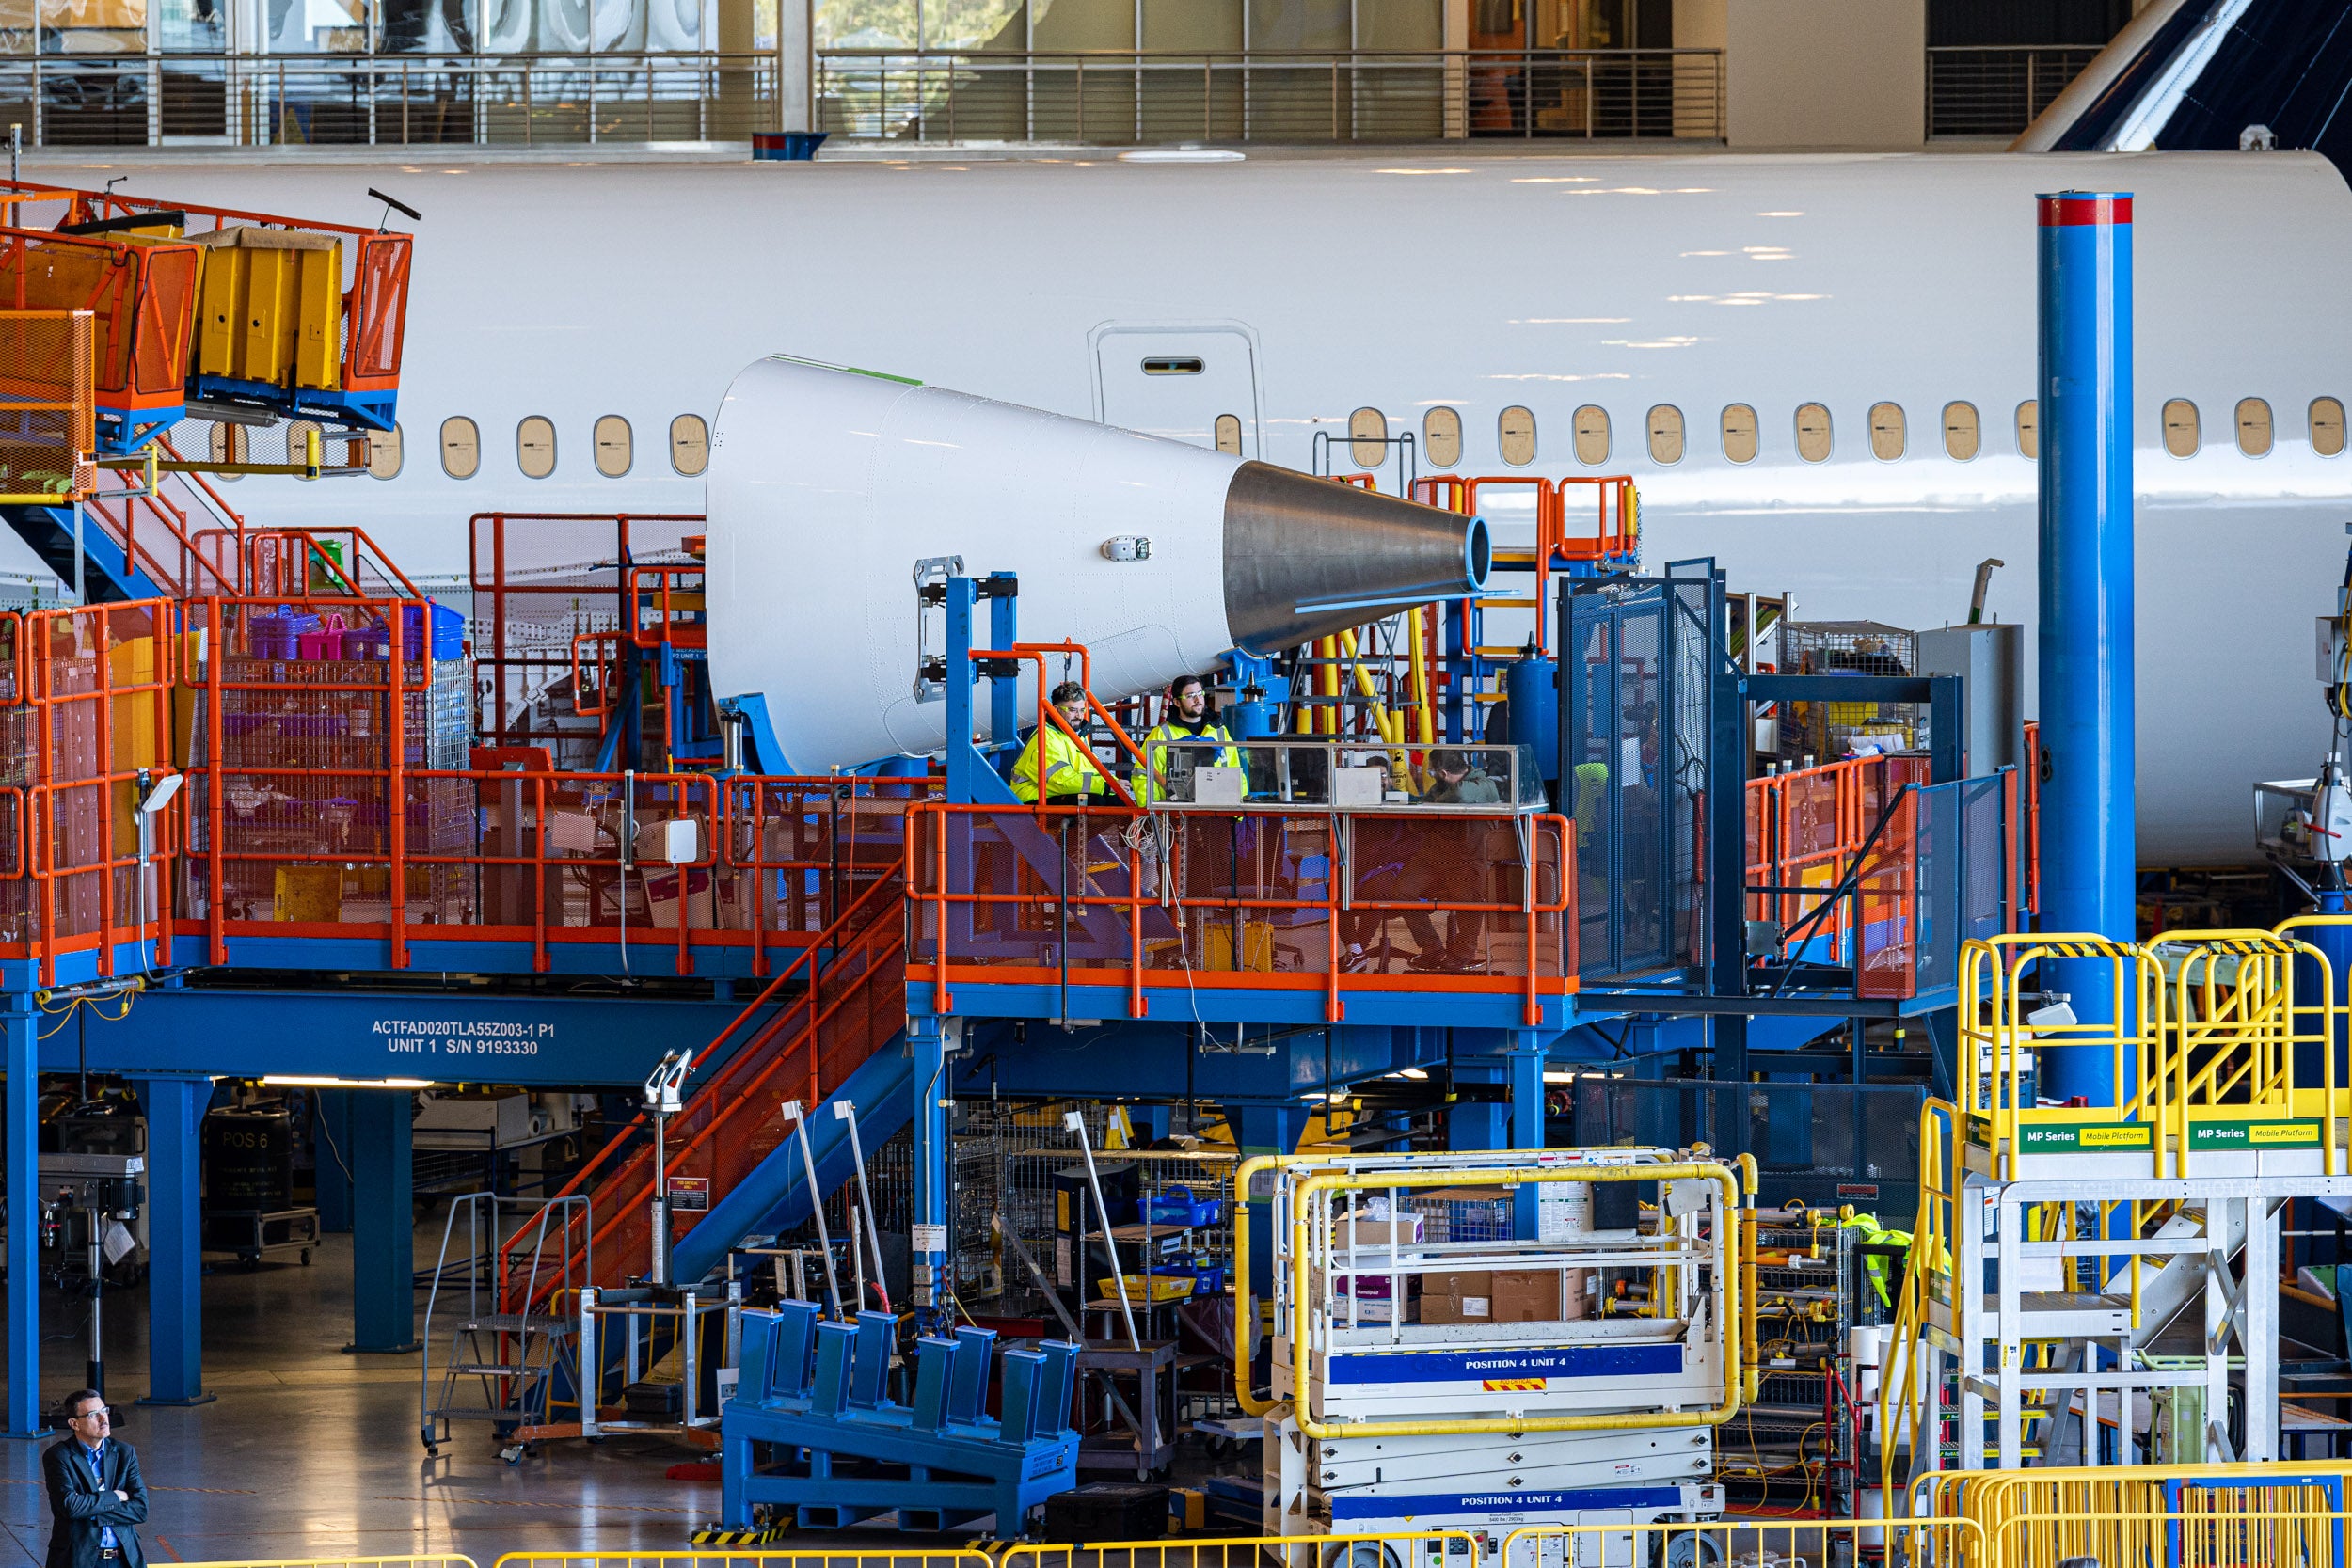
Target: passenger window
2029,429
1887,434
1665,433
1813,432
384,453
535,447
2253,427
2327,427
1368,438
1739,433
1592,435
461,447
613,446
1515,432
689,444
1960,437
228,443
1168,364
1441,437
2180,428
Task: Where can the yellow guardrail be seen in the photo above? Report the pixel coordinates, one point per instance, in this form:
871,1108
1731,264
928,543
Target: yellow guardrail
2171,1514
1994,1038
1752,1541
1373,1550
1723,1263
427,1560
780,1557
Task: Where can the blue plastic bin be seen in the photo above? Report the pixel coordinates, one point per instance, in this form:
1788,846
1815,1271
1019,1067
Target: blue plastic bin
1177,1206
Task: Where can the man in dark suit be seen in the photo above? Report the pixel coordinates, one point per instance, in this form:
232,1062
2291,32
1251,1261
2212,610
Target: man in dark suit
95,1494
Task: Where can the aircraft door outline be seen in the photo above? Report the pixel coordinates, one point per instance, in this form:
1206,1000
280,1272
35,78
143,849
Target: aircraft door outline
1180,380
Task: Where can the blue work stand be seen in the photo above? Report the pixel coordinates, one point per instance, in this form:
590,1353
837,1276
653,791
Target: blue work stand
810,1430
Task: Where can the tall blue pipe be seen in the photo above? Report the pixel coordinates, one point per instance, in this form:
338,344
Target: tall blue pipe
2087,805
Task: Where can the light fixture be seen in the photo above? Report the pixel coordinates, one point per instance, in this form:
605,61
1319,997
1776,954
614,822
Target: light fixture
1559,1077
296,1081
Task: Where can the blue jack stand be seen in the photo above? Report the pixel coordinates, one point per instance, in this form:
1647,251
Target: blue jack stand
809,1428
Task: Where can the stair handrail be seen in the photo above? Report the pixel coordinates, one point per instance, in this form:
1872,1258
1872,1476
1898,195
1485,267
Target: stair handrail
834,937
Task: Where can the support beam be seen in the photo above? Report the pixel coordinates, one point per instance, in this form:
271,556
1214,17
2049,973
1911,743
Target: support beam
1263,1130
934,1288
1524,1063
1479,1124
175,1248
23,1158
383,1224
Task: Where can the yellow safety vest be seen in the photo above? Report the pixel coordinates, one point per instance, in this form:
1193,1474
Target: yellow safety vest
1167,734
1069,769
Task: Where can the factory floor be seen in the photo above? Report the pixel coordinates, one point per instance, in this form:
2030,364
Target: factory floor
309,1453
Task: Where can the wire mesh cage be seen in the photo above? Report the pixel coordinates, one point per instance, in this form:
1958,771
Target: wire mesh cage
1822,732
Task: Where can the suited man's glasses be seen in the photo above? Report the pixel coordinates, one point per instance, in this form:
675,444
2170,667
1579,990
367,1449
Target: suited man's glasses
97,1413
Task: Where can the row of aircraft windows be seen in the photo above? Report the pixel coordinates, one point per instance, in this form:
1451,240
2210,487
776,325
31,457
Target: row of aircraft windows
461,447
1889,435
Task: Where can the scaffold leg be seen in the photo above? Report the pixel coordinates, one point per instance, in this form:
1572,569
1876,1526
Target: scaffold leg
927,1043
383,1263
175,1225
24,1141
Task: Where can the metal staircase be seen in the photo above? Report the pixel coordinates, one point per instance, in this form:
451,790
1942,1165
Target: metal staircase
137,545
804,1038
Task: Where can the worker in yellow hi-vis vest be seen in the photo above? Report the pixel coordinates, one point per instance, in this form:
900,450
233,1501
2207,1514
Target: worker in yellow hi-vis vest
1053,765
1188,736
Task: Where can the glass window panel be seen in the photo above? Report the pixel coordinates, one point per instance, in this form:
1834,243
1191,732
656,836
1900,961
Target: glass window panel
384,453
1229,435
1592,435
1298,25
2253,427
2181,432
2327,426
1887,432
1813,432
613,446
1665,433
1514,433
1441,437
2028,429
1739,433
1368,433
1962,435
461,447
535,447
689,444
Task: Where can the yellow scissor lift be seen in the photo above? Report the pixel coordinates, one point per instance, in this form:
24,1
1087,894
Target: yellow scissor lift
2072,1260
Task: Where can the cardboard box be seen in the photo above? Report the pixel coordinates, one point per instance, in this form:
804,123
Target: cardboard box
1360,1232
1495,1295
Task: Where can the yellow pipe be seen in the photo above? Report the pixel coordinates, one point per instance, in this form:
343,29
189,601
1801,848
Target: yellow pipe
1751,1279
1424,727
1622,1420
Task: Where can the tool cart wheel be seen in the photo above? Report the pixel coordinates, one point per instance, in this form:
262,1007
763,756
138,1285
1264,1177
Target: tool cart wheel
1360,1553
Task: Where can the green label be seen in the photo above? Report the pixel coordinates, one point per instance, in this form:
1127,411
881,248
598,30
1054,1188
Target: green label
2254,1134
2076,1137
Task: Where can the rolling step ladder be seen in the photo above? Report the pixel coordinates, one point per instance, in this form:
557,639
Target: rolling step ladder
509,1369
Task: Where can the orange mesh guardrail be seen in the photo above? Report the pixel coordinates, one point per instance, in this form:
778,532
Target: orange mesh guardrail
142,298
48,406
1247,898
90,708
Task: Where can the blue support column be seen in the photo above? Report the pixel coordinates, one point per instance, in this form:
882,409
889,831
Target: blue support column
330,1131
2086,658
383,1224
934,1287
1524,1063
175,1222
1476,1124
23,1143
1263,1130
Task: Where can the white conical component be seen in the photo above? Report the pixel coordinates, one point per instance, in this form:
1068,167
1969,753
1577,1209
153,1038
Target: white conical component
827,487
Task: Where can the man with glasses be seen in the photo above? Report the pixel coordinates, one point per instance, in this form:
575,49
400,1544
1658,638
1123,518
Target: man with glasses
95,1494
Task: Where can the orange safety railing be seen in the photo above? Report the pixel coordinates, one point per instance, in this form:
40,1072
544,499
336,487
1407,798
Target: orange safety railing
1047,714
89,705
304,563
48,406
828,1010
660,612
1806,828
1262,899
141,294
373,307
2033,817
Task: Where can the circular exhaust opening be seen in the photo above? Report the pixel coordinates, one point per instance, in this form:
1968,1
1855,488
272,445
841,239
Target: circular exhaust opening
1476,550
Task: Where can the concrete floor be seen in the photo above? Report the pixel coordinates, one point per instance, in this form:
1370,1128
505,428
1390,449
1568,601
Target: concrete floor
309,1453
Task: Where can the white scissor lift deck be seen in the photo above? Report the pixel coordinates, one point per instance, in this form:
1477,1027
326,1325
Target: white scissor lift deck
1598,1407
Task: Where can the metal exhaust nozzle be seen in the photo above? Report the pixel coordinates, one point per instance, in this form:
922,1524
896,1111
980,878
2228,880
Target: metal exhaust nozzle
1305,558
